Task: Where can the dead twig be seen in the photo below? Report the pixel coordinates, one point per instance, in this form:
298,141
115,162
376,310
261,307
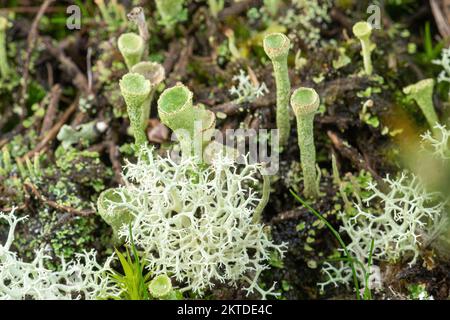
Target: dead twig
18,208
238,7
55,95
113,152
340,17
172,56
442,20
349,152
31,189
138,17
180,68
31,42
231,108
78,78
51,134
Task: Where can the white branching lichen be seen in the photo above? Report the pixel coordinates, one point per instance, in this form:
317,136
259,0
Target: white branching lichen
246,90
306,18
195,222
444,62
82,278
439,144
399,222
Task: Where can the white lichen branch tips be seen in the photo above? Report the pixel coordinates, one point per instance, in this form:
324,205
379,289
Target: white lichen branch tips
407,217
83,277
196,223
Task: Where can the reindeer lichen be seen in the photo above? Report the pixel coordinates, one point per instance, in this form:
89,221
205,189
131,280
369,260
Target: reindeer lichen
406,217
195,222
82,277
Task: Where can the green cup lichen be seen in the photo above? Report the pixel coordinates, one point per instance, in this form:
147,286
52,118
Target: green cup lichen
176,110
363,30
171,12
115,217
422,93
160,286
152,71
193,125
276,46
136,92
305,103
132,48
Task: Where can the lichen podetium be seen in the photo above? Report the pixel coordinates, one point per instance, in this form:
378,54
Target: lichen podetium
136,91
276,46
305,103
362,30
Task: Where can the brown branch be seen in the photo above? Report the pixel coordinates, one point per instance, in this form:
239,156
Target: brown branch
340,17
51,134
21,207
113,152
31,42
78,78
172,56
237,8
32,10
442,21
231,108
31,189
180,69
349,152
55,95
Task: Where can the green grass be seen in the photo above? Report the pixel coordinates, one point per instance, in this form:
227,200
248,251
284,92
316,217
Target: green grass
132,281
347,256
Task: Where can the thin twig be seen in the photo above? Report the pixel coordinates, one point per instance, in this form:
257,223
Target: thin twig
55,95
238,7
137,16
78,78
441,20
51,134
21,207
353,155
31,42
113,152
29,187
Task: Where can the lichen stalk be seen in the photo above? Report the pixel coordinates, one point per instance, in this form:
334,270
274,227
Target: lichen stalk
422,93
276,46
136,91
363,30
305,103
